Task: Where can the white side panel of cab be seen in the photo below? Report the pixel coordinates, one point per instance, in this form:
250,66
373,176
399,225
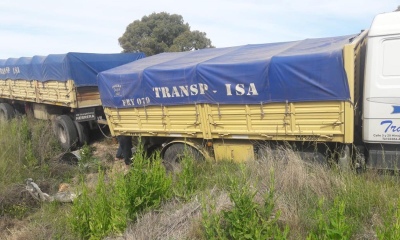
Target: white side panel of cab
381,120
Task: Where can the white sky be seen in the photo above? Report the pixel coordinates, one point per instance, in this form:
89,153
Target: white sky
45,27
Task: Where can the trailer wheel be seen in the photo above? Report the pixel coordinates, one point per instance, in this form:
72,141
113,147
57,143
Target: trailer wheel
82,129
66,132
6,112
176,152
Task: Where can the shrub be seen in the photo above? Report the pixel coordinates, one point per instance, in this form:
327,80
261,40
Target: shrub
391,224
147,183
186,181
331,224
112,204
247,219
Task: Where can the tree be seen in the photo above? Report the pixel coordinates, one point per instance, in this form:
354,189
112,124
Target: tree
162,32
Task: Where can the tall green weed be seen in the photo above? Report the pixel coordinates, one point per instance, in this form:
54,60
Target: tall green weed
247,219
147,183
331,223
391,224
186,181
108,208
27,145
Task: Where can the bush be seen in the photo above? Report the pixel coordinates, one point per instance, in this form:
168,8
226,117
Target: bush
391,225
331,224
186,181
112,204
247,219
147,183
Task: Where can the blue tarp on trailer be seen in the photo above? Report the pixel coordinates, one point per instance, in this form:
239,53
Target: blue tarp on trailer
307,70
82,68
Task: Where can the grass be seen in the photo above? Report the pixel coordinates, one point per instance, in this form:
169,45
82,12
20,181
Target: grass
277,196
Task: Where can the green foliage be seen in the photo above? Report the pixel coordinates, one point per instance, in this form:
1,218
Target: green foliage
247,219
97,214
86,154
349,206
80,216
212,222
111,205
332,224
391,225
27,145
162,32
147,183
186,180
118,205
17,211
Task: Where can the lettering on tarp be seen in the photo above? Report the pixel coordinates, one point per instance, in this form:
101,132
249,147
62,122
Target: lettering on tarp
4,70
180,91
241,89
189,90
7,70
144,101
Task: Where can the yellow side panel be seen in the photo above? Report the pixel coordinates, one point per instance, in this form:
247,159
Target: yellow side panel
57,93
239,121
236,152
321,121
50,92
5,90
23,90
326,118
306,121
354,60
166,121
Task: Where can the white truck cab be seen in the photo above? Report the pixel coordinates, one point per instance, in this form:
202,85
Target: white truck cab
381,100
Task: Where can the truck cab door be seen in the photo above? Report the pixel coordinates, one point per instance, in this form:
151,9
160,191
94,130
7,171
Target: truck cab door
381,109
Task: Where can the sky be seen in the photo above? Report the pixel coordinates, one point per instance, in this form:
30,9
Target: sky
29,28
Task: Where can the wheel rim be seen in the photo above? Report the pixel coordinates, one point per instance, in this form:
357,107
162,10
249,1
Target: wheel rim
61,134
2,116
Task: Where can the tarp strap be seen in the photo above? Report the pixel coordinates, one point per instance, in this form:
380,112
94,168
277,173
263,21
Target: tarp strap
219,111
197,113
287,108
119,117
163,116
262,110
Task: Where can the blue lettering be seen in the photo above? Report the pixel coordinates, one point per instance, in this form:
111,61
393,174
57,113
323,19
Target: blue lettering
390,126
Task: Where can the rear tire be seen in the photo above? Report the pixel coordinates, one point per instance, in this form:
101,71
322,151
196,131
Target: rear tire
6,112
176,152
66,132
82,129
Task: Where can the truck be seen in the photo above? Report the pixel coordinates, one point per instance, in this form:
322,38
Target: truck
335,98
58,87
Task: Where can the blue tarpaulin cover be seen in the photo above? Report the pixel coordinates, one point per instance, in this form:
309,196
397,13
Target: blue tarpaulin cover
82,68
307,70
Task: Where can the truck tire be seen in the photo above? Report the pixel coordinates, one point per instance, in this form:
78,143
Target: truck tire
6,112
175,153
82,129
66,132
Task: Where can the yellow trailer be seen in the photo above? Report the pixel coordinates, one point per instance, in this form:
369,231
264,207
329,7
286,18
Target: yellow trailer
58,87
231,131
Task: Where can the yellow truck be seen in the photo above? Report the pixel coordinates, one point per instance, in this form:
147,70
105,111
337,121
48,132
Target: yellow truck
59,87
318,95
